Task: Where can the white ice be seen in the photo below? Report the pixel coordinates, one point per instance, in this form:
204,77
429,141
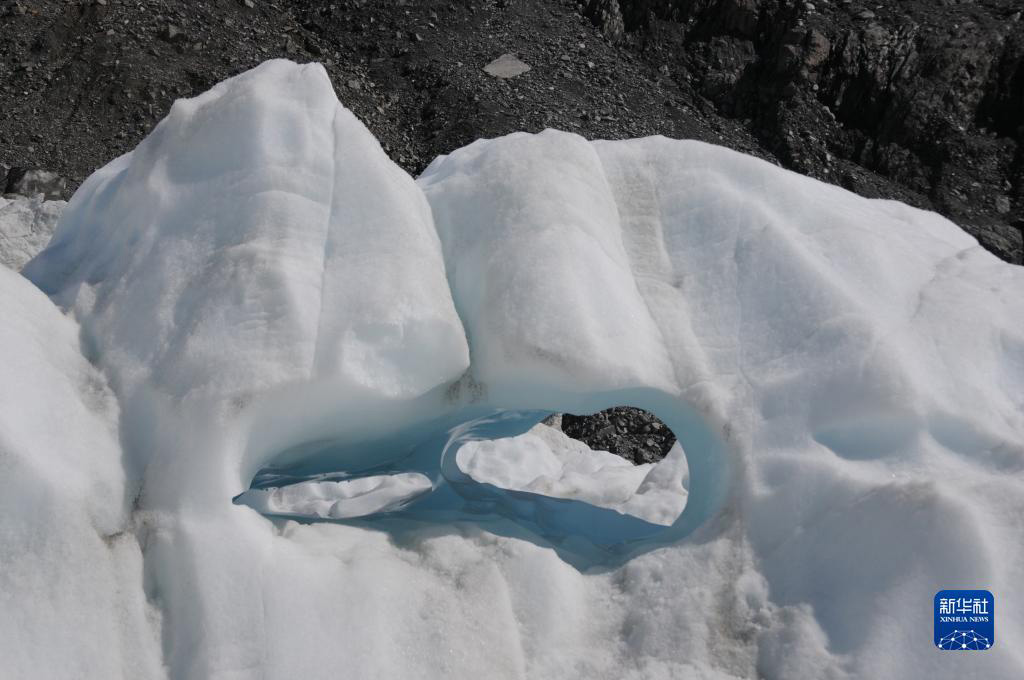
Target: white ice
546,461
71,569
846,378
338,499
26,225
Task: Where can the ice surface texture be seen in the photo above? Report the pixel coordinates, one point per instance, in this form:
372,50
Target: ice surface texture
71,584
26,225
262,288
548,462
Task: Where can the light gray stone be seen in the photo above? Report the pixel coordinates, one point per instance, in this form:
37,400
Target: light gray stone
507,66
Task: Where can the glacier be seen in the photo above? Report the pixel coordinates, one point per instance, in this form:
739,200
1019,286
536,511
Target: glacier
257,293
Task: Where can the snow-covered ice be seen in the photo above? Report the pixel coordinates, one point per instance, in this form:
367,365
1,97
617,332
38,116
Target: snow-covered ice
545,461
338,499
71,586
259,291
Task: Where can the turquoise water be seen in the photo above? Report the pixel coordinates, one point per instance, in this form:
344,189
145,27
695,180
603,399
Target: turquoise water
583,535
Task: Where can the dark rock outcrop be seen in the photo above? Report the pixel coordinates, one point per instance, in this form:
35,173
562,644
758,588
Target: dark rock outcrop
24,182
928,95
606,15
635,434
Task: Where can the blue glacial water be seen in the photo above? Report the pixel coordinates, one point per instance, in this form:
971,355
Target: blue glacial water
583,535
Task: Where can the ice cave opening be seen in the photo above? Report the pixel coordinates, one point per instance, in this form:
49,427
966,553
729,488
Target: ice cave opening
508,472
